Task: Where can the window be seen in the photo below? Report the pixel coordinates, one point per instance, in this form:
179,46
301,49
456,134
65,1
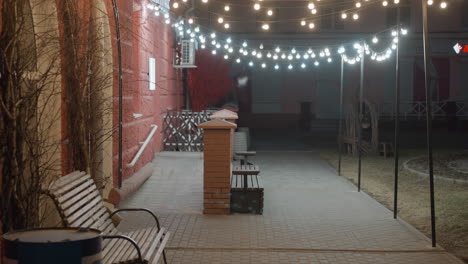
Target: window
405,15
326,22
331,22
464,15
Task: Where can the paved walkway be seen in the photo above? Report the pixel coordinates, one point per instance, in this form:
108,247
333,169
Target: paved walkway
310,216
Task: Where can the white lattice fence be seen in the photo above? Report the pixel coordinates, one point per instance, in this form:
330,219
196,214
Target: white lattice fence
181,132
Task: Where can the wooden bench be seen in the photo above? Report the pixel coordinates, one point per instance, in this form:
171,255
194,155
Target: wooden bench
245,156
246,190
386,149
80,204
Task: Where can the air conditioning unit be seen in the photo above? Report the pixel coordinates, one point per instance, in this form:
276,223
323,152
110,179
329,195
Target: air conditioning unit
185,55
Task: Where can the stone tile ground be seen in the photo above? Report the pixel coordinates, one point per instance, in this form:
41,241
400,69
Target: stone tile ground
310,216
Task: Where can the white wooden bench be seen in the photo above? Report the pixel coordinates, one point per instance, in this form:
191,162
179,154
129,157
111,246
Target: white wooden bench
80,204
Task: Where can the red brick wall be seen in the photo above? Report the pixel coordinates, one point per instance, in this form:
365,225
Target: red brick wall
143,36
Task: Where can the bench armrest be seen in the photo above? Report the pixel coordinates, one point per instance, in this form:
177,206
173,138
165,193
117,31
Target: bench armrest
138,210
128,239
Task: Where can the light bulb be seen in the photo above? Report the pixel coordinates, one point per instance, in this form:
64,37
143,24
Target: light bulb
276,67
375,40
257,6
220,20
205,1
190,21
290,66
226,26
404,31
344,16
329,60
175,5
314,11
355,16
277,50
303,65
238,60
430,2
311,6
358,4
227,8
226,57
311,25
270,12
203,46
443,5
303,23
385,3
396,2
213,52
213,35
244,44
293,51
266,27
251,64
228,40
263,65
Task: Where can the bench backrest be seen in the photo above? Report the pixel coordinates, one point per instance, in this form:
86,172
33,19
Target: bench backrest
79,202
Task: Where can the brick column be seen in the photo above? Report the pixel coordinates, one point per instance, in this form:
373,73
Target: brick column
217,166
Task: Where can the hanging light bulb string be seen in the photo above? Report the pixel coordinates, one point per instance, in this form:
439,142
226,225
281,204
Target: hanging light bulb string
231,48
235,19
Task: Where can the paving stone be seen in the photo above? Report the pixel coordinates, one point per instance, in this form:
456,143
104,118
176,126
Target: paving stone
308,209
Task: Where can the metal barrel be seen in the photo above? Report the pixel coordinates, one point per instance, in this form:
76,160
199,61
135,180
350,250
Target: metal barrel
53,246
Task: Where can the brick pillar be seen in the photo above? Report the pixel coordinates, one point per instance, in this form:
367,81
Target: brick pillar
217,166
225,114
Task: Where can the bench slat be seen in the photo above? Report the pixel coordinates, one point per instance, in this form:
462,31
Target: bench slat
156,257
120,255
71,185
88,215
73,214
75,191
97,216
112,250
151,249
78,201
145,236
65,180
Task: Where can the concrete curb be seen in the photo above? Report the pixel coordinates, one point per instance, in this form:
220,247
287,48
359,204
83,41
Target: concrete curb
134,183
423,174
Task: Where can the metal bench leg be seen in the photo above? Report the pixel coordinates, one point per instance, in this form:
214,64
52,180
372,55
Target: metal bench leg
164,256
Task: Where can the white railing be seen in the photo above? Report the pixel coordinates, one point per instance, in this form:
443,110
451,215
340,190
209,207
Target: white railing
417,109
143,146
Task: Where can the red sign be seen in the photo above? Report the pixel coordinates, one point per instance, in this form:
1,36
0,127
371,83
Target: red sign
460,48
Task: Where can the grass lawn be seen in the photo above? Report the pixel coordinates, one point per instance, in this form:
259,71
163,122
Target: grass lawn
414,206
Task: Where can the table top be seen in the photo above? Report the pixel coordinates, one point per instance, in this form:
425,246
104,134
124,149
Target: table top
246,153
52,235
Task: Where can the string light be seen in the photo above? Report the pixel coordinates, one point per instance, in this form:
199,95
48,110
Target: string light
443,4
292,56
344,16
270,12
430,2
385,3
355,16
257,6
227,8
